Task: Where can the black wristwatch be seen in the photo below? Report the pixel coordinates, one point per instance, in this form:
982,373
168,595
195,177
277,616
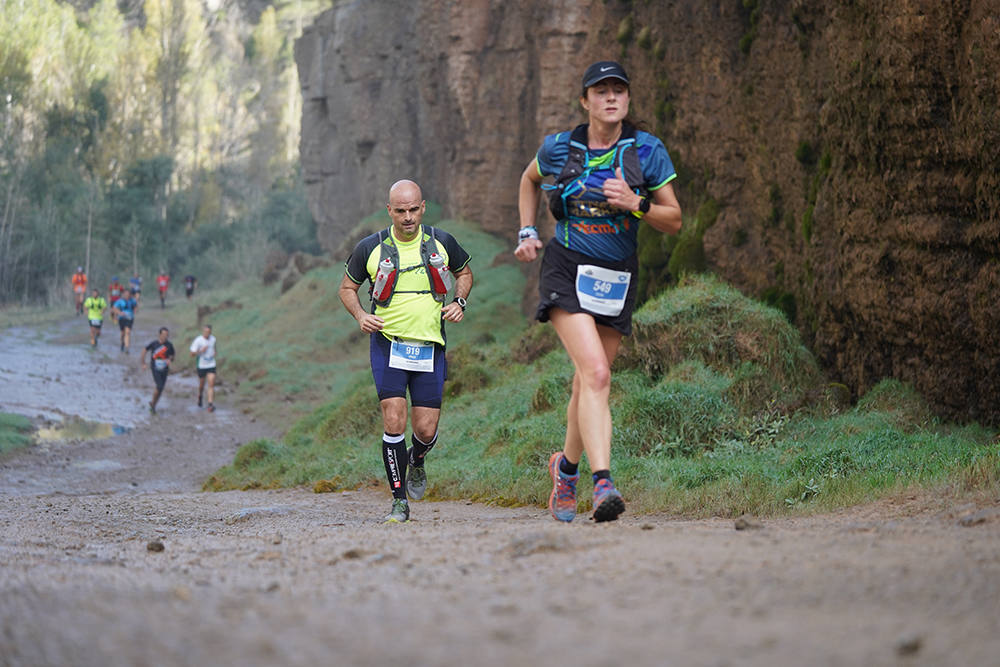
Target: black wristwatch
461,302
644,205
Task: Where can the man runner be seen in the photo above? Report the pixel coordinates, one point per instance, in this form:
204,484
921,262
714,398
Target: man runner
95,305
79,281
161,355
406,330
135,285
162,283
190,282
203,347
124,308
115,290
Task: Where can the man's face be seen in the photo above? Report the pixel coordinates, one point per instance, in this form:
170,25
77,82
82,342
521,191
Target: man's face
406,209
206,332
163,335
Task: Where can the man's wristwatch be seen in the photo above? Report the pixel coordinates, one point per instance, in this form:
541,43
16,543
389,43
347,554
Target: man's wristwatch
461,302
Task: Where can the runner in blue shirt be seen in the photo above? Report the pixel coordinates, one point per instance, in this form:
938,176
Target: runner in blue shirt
616,176
135,284
124,308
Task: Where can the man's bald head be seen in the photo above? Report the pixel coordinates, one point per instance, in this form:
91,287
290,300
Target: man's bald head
404,190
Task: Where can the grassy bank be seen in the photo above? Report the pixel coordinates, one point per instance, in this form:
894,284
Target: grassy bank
15,432
718,409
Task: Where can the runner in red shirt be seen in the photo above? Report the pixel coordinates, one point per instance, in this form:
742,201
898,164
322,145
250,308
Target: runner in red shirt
162,283
115,289
79,288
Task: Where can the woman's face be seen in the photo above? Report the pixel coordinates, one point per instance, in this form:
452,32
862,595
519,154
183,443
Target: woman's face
607,101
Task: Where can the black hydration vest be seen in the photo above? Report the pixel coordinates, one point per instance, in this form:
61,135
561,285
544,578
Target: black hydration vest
575,170
387,249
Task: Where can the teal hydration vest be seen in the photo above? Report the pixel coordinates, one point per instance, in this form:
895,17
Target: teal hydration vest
575,172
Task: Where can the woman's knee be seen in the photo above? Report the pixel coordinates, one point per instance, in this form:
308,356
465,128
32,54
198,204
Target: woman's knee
595,377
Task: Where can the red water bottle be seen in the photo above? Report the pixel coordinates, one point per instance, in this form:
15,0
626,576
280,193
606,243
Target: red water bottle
440,275
385,280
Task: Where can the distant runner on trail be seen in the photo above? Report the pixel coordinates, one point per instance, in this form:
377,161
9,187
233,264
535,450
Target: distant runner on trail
411,268
203,347
161,355
95,305
124,308
609,177
115,290
162,283
79,281
190,282
135,284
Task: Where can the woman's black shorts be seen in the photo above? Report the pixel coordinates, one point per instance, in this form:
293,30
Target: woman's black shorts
557,285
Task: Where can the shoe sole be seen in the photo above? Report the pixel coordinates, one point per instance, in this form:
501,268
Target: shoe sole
553,472
609,509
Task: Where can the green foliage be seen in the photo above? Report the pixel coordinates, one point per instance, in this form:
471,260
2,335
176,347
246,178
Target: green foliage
806,154
750,12
645,38
15,432
626,30
807,224
121,137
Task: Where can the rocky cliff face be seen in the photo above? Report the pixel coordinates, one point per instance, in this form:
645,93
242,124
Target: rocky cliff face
852,148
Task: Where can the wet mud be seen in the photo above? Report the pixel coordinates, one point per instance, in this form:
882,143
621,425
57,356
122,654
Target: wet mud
110,555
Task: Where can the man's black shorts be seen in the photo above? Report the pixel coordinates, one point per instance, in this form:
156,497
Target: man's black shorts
202,372
124,323
160,378
557,285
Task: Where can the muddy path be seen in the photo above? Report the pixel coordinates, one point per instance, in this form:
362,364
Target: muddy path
110,555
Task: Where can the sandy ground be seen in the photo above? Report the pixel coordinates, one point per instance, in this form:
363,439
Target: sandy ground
110,555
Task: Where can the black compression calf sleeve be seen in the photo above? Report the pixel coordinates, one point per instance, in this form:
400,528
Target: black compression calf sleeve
420,448
394,458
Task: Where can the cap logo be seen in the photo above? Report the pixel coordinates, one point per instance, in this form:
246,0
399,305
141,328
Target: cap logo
605,69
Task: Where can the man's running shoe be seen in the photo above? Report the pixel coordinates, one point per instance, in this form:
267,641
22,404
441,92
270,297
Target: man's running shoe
400,511
211,408
416,478
608,503
199,400
562,500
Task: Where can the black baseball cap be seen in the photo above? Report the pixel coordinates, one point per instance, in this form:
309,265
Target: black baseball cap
605,69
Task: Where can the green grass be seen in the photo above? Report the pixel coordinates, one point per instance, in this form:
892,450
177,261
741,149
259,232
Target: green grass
12,315
718,409
15,432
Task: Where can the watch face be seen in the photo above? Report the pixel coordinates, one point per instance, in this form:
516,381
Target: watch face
460,301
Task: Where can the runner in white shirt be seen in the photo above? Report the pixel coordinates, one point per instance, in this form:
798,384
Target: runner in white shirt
203,347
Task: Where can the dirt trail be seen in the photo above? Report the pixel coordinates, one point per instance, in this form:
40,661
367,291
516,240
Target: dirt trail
290,577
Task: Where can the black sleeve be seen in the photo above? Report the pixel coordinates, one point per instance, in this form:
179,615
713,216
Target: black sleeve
356,265
457,257
152,346
170,349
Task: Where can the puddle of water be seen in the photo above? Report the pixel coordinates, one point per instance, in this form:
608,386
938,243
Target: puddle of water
79,429
55,381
